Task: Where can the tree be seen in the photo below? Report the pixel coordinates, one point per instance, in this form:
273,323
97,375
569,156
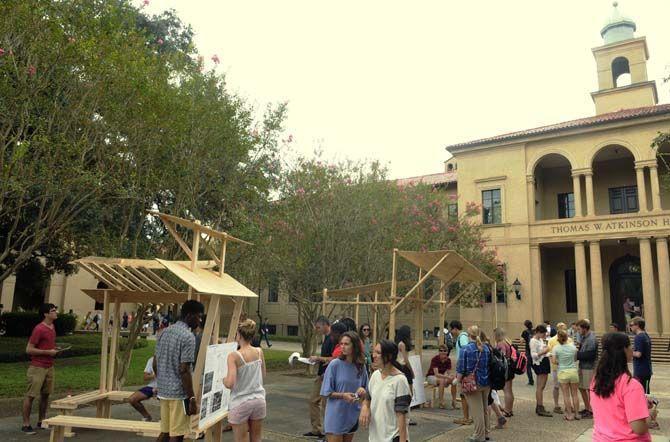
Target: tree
336,225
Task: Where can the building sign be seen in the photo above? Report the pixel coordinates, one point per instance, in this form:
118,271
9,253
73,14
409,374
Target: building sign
607,225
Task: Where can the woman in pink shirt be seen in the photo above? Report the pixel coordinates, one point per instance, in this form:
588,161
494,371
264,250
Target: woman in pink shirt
620,408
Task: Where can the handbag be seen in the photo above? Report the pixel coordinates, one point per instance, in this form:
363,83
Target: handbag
469,382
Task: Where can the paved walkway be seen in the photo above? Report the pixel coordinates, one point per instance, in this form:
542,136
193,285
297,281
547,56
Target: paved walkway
288,416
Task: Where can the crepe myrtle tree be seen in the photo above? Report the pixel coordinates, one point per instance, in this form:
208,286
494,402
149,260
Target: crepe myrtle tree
335,225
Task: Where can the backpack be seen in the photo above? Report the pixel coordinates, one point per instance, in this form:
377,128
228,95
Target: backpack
521,364
449,341
497,369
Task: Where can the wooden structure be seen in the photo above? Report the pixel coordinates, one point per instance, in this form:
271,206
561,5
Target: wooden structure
156,281
445,265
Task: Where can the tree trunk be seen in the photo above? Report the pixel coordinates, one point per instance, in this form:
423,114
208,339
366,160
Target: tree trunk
123,358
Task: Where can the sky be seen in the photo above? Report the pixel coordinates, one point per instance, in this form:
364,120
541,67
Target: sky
397,81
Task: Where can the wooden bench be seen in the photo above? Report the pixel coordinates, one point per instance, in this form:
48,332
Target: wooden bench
67,405
58,425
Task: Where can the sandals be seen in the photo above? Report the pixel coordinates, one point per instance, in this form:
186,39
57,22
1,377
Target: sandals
506,413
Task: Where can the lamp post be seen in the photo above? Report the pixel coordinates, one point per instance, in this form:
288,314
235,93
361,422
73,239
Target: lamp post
516,286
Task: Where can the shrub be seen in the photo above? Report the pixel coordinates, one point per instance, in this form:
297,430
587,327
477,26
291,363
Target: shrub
21,324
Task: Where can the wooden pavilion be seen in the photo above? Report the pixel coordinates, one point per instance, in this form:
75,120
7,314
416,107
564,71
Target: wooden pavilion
156,282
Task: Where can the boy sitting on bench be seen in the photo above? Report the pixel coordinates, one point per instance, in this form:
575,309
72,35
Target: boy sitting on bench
146,392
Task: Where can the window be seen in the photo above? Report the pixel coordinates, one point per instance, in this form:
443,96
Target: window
292,330
491,206
623,199
272,329
570,291
566,205
452,212
273,289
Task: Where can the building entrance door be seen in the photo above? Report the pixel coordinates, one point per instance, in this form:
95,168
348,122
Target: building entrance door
625,282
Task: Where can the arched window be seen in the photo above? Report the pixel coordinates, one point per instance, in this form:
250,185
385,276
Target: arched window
621,72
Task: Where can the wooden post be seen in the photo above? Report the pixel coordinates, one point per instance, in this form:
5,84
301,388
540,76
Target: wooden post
418,316
222,264
324,302
105,343
357,308
116,328
494,298
374,320
394,289
212,311
194,257
235,320
443,313
214,433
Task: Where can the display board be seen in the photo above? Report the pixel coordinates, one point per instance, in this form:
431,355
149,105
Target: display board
419,393
215,396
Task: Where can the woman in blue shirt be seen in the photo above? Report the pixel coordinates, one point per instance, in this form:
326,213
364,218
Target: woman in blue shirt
345,385
474,358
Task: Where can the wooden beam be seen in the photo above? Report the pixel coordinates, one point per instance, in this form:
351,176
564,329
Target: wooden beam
116,328
212,311
360,303
105,343
212,253
179,239
421,281
159,280
357,308
146,279
100,277
235,320
222,260
418,315
135,279
112,271
443,313
324,302
494,298
444,283
374,321
394,295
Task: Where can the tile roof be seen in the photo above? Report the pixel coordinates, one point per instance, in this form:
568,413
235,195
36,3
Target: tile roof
622,115
434,178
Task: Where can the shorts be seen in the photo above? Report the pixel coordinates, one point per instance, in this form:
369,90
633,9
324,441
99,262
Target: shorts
432,380
253,409
40,381
543,368
585,378
147,391
174,420
568,376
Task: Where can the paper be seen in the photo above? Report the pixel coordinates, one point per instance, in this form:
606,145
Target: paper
295,356
419,393
215,396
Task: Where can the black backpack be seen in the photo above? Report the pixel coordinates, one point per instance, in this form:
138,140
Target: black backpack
498,369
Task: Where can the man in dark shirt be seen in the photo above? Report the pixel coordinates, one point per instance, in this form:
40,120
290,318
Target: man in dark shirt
641,353
317,406
587,355
526,335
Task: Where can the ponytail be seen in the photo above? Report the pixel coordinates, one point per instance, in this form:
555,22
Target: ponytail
475,334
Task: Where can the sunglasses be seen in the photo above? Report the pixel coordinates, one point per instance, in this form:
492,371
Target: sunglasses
366,329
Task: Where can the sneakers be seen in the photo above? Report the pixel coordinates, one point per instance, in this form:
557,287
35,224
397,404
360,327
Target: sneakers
27,429
501,423
558,410
540,411
586,414
463,421
313,434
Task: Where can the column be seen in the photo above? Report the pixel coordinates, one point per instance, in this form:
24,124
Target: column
641,188
590,200
577,192
648,287
664,283
530,190
598,320
582,282
655,188
536,283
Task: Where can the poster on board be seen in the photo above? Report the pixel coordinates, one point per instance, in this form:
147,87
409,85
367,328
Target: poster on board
418,394
215,397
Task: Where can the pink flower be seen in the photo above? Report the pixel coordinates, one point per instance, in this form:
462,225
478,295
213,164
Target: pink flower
160,41
215,59
2,52
434,228
451,228
32,70
300,191
348,180
145,3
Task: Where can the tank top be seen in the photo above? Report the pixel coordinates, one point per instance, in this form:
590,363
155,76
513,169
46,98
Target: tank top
249,383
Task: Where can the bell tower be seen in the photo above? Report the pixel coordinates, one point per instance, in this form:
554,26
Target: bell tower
622,67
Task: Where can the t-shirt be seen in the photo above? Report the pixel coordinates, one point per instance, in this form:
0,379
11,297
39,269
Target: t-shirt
461,342
326,352
553,342
149,369
43,337
388,397
565,356
536,346
612,415
442,366
342,377
642,365
588,352
337,351
175,346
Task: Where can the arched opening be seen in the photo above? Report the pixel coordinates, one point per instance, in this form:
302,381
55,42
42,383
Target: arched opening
614,181
554,197
620,72
663,162
625,286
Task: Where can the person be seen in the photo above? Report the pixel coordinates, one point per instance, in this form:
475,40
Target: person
613,327
97,318
146,392
641,353
461,338
439,374
156,321
385,409
365,334
628,311
349,323
345,384
174,354
41,373
563,355
124,321
620,407
505,346
336,331
403,340
87,321
265,333
551,331
317,406
576,334
526,334
474,359
551,343
541,367
246,373
493,400
587,356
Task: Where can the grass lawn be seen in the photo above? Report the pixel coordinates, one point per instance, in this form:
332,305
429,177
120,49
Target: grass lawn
83,373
